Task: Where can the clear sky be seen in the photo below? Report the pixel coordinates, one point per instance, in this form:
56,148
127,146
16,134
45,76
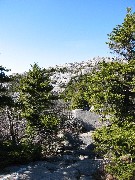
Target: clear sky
54,32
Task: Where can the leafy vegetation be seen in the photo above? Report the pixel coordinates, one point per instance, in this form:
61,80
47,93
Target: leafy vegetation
110,89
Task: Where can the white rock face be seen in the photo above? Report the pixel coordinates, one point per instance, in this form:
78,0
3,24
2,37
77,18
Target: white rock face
75,69
75,112
90,119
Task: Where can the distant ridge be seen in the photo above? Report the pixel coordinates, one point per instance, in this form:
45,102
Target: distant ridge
63,73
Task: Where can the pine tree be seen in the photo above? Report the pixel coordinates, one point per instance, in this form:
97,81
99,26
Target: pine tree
112,92
37,98
122,38
110,88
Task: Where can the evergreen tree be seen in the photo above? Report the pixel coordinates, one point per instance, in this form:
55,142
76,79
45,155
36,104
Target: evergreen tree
4,79
110,88
39,110
122,38
76,86
112,92
37,98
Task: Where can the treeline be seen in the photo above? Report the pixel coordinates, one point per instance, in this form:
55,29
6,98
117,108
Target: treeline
110,91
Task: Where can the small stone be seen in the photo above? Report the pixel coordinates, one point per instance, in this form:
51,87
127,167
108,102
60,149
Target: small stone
109,177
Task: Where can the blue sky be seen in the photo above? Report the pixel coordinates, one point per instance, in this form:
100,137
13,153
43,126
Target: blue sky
54,32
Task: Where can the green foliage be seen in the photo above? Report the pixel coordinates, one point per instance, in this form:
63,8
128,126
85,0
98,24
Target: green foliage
38,108
37,98
10,119
111,91
22,153
74,92
117,144
5,99
10,123
32,121
110,88
122,38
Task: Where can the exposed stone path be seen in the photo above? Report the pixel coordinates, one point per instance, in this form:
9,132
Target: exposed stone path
75,163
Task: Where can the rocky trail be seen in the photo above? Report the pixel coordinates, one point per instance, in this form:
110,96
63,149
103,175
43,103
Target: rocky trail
76,163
